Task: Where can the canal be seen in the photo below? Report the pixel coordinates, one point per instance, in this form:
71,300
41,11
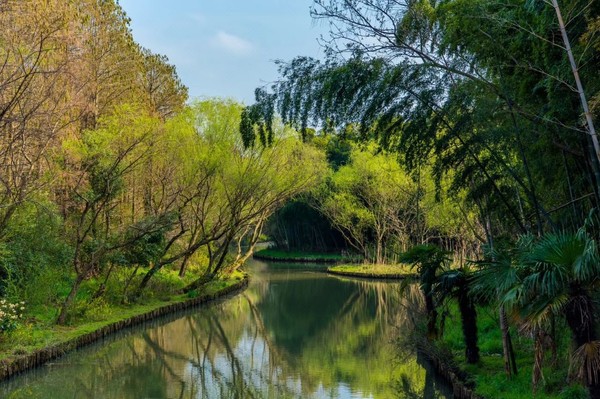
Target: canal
296,332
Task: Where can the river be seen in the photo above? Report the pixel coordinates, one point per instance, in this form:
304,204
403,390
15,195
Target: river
296,332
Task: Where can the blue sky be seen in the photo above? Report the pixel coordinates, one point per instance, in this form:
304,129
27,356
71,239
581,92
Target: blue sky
225,48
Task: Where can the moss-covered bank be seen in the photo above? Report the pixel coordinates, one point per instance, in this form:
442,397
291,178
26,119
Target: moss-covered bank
64,339
399,271
462,385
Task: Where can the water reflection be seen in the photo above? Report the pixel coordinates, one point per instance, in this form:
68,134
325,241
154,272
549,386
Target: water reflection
293,334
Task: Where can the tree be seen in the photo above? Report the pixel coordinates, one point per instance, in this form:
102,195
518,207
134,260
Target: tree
491,283
456,284
584,103
255,183
164,91
429,260
107,61
427,77
34,111
548,277
223,192
94,168
371,200
560,276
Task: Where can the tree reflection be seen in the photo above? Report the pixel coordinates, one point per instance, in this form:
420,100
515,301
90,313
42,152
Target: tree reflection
296,335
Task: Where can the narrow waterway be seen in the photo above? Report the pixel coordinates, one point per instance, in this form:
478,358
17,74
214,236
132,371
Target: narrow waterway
296,332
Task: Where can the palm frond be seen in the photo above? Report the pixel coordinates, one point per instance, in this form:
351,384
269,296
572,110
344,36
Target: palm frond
494,279
586,363
538,312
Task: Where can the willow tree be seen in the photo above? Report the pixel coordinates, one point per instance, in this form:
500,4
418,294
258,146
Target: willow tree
373,202
252,184
223,191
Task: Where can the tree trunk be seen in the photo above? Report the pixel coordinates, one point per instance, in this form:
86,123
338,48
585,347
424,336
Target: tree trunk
510,365
432,332
378,255
194,285
538,362
145,280
581,319
553,346
128,283
468,314
184,264
62,317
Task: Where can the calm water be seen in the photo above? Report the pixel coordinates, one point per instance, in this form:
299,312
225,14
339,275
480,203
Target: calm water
294,333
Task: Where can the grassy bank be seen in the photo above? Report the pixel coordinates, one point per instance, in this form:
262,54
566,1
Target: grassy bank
300,256
488,375
37,331
372,270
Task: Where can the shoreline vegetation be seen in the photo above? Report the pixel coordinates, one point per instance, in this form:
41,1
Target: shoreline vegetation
376,271
53,341
483,379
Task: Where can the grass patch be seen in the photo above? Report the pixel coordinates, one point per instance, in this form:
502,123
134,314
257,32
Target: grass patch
490,380
373,270
300,256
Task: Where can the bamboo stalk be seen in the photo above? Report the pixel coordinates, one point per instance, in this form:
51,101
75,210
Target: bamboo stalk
582,98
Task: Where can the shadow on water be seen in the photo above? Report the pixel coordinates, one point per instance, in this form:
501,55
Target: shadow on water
293,333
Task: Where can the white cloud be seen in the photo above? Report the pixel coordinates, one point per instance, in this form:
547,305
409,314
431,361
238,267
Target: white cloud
232,44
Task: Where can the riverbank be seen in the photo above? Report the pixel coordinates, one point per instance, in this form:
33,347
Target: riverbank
53,341
279,255
487,378
400,271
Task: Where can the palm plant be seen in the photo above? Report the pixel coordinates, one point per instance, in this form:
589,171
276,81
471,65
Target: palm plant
497,276
429,260
560,275
564,272
439,284
456,284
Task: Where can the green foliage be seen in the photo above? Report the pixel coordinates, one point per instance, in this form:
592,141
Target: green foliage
477,89
429,260
147,249
339,152
372,201
89,310
488,375
574,392
479,96
28,256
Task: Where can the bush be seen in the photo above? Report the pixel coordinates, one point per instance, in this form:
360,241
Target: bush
10,314
574,392
33,254
163,285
